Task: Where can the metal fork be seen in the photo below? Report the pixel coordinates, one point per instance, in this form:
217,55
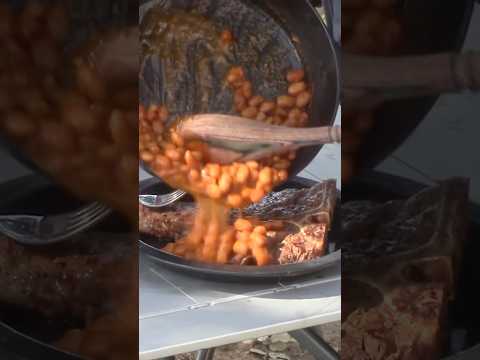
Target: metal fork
158,201
49,229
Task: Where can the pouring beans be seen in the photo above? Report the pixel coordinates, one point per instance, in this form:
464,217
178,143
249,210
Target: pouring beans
216,187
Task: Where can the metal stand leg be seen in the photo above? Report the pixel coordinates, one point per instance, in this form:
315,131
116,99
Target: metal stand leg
317,347
205,354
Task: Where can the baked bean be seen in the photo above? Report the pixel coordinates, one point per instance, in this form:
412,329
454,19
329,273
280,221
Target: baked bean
177,139
154,149
163,162
57,136
226,246
255,101
163,114
120,130
297,88
214,192
286,101
158,128
242,175
254,174
234,200
89,82
294,114
80,117
250,113
226,36
260,229
265,176
235,74
295,75
304,99
174,154
303,119
246,192
281,112
241,248
180,250
258,239
225,183
190,160
257,195
247,90
243,225
267,107
214,170
261,256
194,175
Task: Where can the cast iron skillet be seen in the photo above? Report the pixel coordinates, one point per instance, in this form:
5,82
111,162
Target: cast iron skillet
464,314
272,36
85,14
444,31
152,246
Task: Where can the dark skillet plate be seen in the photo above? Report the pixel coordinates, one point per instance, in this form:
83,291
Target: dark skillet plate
463,312
24,335
236,272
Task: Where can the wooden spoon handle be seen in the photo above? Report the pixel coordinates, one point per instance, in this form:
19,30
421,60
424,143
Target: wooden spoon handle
406,77
236,129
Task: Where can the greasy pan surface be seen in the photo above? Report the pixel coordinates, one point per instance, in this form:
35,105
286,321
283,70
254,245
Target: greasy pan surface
264,33
237,272
464,313
444,30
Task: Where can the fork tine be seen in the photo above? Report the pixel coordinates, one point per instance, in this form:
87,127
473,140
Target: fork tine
87,219
86,209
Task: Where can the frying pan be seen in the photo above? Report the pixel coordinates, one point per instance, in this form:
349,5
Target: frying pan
84,13
152,246
444,30
381,187
272,37
24,335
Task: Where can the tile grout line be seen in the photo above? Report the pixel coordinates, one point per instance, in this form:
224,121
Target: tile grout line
174,286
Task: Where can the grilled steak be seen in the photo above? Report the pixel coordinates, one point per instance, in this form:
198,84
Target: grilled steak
306,213
400,263
56,283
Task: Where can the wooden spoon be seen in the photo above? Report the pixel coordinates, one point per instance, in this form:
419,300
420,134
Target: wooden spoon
369,80
234,138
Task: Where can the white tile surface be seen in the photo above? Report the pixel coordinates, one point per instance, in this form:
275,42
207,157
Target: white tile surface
452,128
